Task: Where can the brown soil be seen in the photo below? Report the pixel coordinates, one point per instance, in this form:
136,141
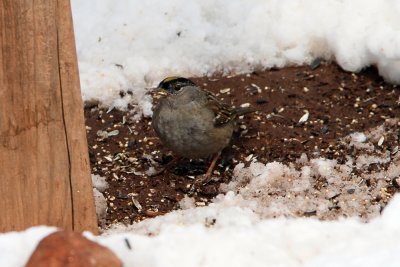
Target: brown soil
338,104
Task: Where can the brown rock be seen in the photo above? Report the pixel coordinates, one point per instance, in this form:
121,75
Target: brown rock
69,249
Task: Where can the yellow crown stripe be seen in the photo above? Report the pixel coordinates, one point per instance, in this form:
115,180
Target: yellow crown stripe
168,79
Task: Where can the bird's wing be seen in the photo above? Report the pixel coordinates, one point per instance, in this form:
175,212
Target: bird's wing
223,112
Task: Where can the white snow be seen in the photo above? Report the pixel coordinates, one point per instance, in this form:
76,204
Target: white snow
237,238
358,137
99,186
16,247
131,45
99,183
275,189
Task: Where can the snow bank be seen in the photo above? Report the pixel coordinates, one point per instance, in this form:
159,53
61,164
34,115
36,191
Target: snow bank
234,240
235,237
130,45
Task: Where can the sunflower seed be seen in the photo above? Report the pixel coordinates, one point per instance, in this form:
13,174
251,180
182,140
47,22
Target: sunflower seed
304,118
113,133
380,142
224,91
137,204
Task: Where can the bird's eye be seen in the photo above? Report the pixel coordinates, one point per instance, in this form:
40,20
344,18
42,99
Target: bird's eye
178,86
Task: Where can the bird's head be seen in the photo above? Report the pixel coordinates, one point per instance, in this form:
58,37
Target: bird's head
173,84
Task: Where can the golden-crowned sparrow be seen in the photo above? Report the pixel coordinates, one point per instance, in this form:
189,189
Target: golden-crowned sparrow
192,122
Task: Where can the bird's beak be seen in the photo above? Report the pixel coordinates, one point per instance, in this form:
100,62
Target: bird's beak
158,92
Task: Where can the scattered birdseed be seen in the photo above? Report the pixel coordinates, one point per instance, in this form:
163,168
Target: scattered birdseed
109,158
113,133
304,118
249,157
224,91
137,204
102,134
351,190
380,142
128,245
257,87
110,109
152,212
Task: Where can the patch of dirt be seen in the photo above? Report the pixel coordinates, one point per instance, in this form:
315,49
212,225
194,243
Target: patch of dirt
337,103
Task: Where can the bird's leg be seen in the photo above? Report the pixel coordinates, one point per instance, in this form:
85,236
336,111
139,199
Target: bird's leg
212,165
206,177
167,166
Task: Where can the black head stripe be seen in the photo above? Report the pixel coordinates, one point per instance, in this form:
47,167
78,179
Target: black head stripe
174,84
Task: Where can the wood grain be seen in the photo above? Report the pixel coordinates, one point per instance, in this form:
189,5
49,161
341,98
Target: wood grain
44,167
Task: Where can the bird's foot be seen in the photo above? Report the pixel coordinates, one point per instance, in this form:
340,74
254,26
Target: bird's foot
166,167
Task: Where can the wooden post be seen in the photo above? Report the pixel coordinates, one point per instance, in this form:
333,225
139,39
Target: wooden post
44,165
